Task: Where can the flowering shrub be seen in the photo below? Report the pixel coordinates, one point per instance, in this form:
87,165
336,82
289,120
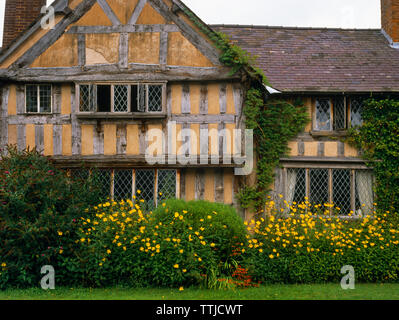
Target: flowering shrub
306,248
37,203
122,245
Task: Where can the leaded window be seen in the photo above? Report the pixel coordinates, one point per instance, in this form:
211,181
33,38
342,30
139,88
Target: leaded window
323,115
338,113
151,185
38,98
350,190
356,106
121,98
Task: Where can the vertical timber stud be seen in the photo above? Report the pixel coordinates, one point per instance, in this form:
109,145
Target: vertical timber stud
3,117
219,185
57,139
204,99
56,92
20,99
185,100
223,98
163,49
81,50
21,140
199,184
98,139
320,149
121,142
123,50
39,138
76,129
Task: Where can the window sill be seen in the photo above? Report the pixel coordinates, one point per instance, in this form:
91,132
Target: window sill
37,113
332,133
128,115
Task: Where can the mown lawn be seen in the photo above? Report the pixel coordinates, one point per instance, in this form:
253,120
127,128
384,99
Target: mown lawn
272,292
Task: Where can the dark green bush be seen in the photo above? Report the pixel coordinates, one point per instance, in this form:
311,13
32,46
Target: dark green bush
39,206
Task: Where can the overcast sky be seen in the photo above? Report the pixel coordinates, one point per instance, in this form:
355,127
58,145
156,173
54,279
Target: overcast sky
304,13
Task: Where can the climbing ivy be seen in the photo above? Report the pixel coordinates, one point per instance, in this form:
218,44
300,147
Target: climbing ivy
275,122
378,138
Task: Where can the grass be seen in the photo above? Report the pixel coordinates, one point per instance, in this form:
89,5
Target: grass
272,292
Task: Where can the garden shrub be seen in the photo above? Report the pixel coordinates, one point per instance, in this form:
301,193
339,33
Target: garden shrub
38,206
179,244
378,138
308,248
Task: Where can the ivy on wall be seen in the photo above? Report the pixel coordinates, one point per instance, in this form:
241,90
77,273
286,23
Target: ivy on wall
275,122
378,138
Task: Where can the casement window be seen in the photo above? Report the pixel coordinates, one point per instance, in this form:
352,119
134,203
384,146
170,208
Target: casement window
122,98
348,189
154,185
38,98
337,113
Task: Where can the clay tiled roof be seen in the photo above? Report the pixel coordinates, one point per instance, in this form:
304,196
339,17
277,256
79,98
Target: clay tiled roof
321,60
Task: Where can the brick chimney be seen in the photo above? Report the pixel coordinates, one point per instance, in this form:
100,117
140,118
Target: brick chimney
19,15
390,21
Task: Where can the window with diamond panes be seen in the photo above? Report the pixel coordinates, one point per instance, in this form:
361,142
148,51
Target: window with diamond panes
166,185
123,182
323,115
318,186
296,185
86,98
339,113
356,106
342,190
155,98
38,98
145,183
350,190
121,98
103,178
80,174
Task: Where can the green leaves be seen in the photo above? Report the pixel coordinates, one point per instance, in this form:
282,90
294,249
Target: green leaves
275,123
379,140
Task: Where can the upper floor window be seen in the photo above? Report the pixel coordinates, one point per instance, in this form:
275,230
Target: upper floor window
121,98
38,98
338,113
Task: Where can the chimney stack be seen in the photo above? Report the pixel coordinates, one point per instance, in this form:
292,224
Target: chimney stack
19,15
390,21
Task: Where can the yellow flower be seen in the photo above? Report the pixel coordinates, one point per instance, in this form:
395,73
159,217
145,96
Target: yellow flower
176,266
61,251
82,240
108,251
271,256
4,264
212,244
138,191
181,289
60,233
184,270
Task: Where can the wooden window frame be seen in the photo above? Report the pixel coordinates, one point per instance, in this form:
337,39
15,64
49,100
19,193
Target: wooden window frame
38,98
129,111
330,182
134,180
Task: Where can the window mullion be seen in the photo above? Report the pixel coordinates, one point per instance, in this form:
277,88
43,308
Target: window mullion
353,191
38,99
156,188
112,184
